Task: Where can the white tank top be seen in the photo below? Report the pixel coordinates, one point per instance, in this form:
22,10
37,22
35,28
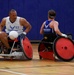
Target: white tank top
13,26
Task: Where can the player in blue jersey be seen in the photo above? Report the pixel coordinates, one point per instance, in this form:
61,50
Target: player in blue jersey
50,28
13,23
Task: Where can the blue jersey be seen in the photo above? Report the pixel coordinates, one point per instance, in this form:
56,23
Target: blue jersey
47,29
49,32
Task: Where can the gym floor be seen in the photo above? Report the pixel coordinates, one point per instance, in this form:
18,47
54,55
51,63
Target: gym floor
36,66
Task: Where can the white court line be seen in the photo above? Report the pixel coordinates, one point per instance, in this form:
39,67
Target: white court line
12,72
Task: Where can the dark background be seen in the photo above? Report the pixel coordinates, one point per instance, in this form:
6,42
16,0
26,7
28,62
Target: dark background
35,11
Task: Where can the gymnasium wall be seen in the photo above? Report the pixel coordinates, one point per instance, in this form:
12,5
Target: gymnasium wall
35,11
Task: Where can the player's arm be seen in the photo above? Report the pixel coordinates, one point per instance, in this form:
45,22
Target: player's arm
41,29
56,29
25,24
2,24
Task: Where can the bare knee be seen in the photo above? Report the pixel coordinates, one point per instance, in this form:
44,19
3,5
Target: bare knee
2,35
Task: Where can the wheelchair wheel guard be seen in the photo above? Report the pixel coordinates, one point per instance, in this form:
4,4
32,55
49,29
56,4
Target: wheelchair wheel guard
27,48
64,48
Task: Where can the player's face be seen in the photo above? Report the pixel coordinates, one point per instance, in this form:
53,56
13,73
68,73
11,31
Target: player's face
13,16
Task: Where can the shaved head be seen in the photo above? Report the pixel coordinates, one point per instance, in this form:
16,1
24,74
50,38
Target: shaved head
12,11
12,15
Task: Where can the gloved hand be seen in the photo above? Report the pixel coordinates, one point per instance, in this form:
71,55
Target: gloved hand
64,35
23,35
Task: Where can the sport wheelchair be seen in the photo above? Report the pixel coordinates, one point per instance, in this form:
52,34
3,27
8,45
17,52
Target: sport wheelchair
60,49
19,50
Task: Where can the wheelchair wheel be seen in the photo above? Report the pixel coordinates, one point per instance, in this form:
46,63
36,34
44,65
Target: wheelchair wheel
27,48
41,48
64,48
44,48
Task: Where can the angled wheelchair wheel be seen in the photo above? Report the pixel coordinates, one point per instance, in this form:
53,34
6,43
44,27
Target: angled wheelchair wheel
41,46
64,48
27,48
43,49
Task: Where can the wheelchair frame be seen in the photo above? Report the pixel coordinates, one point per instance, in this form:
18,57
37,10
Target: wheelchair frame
23,53
57,49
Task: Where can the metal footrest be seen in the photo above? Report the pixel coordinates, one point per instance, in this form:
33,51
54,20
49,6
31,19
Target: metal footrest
13,54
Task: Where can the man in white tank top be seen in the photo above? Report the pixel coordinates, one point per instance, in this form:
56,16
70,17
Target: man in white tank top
13,23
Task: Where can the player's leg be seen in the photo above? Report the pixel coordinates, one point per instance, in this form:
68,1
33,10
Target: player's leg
4,40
